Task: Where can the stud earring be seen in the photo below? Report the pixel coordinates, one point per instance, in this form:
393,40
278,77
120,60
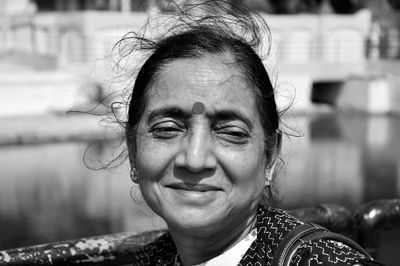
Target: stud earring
134,176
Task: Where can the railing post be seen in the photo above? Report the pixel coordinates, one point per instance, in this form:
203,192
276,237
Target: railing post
335,217
372,218
107,250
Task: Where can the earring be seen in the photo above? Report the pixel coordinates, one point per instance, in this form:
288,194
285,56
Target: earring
134,176
268,179
268,175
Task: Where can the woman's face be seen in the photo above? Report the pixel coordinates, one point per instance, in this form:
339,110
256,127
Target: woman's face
200,169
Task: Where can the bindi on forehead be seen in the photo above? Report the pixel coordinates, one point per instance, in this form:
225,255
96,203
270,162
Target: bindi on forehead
198,108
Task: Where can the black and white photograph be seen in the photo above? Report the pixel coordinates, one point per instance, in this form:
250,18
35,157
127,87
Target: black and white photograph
200,132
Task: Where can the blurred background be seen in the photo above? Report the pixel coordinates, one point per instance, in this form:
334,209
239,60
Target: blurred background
334,62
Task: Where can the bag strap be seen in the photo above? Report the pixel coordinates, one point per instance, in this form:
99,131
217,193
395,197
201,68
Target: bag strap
308,232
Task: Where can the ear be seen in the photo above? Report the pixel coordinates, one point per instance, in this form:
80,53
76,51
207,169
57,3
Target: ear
131,145
273,153
272,156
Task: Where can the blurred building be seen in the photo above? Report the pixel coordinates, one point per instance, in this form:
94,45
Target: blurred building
71,37
62,32
105,5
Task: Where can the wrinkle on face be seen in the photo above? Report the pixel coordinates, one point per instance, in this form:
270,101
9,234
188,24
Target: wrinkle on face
199,77
239,169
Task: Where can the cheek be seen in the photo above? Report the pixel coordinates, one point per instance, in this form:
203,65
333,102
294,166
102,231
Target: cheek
150,164
254,176
253,181
149,159
246,170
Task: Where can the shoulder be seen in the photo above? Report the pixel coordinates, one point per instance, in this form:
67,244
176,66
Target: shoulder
279,217
274,224
160,252
329,252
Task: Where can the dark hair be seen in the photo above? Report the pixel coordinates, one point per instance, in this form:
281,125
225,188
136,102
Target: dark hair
211,35
196,43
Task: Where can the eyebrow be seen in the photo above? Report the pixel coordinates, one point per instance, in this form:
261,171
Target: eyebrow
171,111
177,112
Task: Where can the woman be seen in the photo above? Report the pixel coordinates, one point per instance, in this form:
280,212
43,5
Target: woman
203,139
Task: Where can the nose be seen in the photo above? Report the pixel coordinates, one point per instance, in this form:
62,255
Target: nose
197,151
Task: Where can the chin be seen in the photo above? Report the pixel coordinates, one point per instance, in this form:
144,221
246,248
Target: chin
194,220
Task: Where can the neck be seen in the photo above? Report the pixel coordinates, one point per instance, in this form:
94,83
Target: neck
197,248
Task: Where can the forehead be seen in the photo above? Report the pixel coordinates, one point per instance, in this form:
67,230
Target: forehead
213,80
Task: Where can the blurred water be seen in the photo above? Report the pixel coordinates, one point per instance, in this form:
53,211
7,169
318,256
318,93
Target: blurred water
47,194
343,158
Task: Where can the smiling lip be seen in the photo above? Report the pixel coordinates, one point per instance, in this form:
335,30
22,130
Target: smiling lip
196,188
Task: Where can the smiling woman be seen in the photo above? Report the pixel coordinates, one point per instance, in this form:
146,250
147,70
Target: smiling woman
202,171
203,139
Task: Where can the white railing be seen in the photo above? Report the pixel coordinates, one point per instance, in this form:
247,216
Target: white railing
297,39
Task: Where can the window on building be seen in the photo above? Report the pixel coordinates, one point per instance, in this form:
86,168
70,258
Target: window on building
45,5
100,4
139,5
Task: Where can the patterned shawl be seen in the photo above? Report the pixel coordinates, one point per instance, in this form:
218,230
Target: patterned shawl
272,225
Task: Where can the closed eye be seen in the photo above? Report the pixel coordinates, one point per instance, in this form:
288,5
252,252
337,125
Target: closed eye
233,134
166,129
